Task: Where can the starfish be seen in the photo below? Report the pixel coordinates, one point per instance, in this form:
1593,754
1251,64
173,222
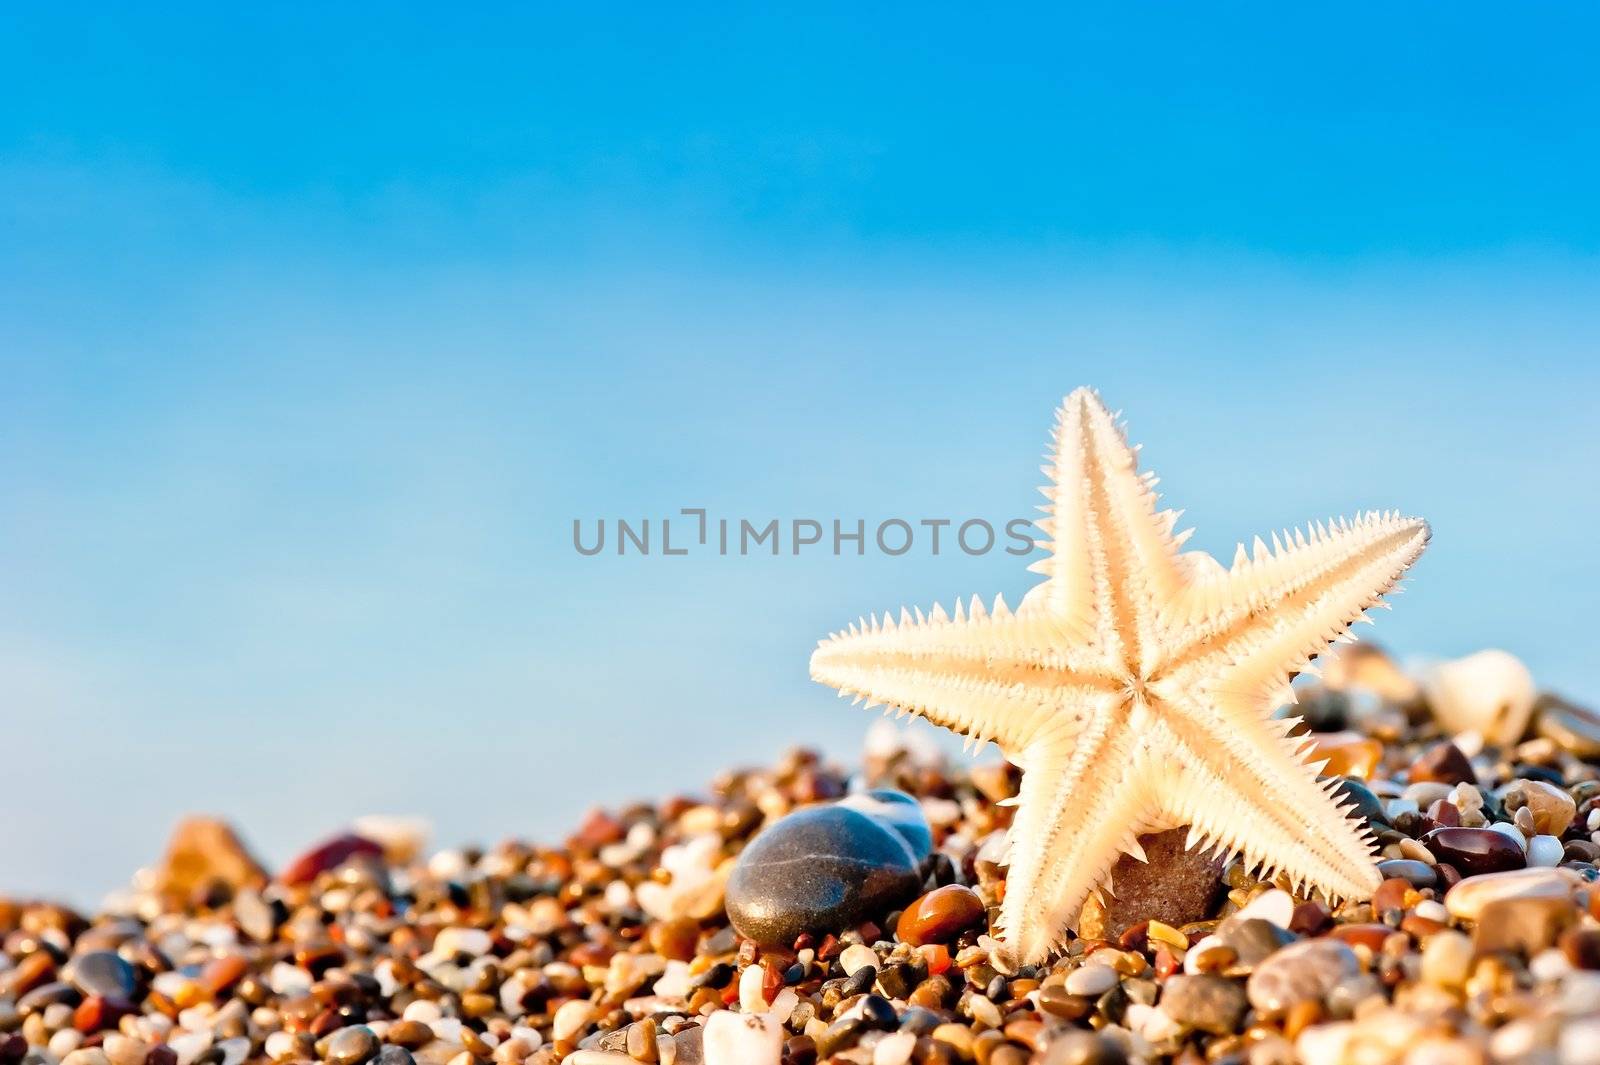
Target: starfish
1137,685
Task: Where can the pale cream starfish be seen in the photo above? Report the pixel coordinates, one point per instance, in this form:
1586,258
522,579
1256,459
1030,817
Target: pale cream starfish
1136,686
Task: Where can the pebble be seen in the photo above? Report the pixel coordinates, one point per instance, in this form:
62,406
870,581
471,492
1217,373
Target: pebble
899,811
104,973
1467,899
1366,805
1443,763
1475,850
1074,1047
1545,851
328,855
1349,754
895,1049
202,851
1252,939
1276,906
741,1039
1526,925
1300,972
857,957
940,915
1574,729
820,869
1551,807
1210,1003
1447,959
1417,874
471,941
1091,980
1175,886
571,1018
352,1045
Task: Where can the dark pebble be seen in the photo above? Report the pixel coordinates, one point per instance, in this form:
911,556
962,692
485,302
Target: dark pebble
899,811
1367,805
820,869
1475,850
1443,763
103,973
1253,940
1209,1003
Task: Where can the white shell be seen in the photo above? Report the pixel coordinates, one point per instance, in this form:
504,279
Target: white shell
1490,693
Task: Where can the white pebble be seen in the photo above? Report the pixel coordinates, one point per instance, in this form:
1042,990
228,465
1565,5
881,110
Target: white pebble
858,956
65,1042
280,1046
1395,807
1432,910
1511,832
425,1010
1276,906
985,1012
1545,850
571,1019
894,1049
190,1046
1091,981
783,1005
1447,959
752,996
1549,964
1580,1042
742,1039
287,980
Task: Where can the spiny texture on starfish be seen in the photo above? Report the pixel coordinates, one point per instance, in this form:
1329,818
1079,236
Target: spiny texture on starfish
1136,685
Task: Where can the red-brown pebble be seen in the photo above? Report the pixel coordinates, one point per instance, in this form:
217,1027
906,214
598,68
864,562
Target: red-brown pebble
328,855
940,915
1443,763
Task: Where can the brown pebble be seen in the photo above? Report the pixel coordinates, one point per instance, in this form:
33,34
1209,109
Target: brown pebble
642,1040
1055,1000
1301,1015
1309,918
940,915
1526,925
222,973
1582,947
1391,895
409,1034
675,939
1370,936
1443,763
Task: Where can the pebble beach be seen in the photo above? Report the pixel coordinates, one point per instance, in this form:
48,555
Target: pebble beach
807,912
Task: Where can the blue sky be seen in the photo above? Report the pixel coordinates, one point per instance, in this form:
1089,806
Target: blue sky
318,330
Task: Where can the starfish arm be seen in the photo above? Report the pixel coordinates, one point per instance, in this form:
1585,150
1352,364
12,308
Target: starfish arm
1079,809
1251,791
1113,555
989,676
1252,627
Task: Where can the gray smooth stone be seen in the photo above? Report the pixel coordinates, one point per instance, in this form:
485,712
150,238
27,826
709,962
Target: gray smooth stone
100,972
899,811
820,869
